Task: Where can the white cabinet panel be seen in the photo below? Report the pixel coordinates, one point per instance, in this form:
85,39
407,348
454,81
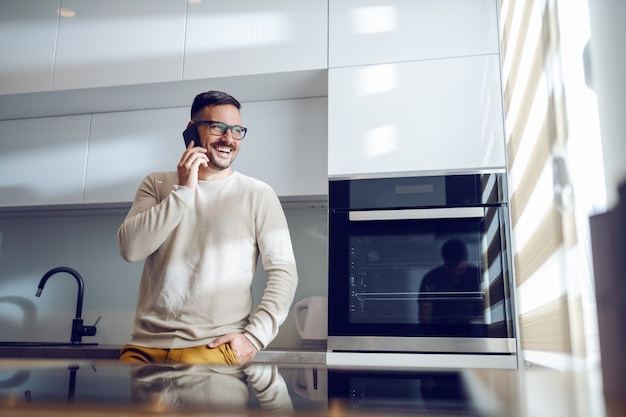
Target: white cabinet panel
27,40
286,145
119,42
42,161
124,147
253,37
443,114
378,31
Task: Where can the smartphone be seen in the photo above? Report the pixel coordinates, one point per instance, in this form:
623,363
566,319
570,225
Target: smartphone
191,133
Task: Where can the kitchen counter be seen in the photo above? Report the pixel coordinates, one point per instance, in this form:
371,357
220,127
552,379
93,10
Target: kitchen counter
80,387
97,352
61,351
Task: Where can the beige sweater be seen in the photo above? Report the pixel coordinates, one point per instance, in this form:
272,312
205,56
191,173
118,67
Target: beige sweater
201,250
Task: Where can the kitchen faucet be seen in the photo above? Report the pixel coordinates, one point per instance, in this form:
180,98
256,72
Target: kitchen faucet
78,330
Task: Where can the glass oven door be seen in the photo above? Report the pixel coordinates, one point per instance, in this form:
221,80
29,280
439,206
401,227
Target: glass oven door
419,273
420,264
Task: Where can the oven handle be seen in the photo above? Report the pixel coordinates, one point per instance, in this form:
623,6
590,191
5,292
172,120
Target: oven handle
417,214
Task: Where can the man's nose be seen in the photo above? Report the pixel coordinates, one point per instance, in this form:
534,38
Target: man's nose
228,134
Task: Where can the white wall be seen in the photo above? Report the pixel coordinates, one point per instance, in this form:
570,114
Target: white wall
608,66
32,244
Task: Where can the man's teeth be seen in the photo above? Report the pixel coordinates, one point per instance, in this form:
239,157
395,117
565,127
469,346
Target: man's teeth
222,149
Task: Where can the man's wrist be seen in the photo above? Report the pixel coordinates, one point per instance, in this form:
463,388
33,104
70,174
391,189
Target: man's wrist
255,342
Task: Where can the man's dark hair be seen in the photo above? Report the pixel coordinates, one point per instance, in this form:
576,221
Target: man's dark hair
212,98
453,252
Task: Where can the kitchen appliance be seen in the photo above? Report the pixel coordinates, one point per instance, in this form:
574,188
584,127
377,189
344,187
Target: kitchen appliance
389,288
311,318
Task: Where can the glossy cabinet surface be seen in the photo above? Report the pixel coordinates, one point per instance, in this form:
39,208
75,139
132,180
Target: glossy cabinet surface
102,158
443,114
398,86
286,145
372,32
119,42
251,37
124,147
81,44
27,43
42,161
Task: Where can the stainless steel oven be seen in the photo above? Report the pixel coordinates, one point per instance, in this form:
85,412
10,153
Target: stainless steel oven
420,264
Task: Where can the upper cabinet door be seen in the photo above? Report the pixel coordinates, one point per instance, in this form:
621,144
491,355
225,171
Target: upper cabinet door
442,114
243,37
119,42
42,161
27,40
378,31
286,145
126,146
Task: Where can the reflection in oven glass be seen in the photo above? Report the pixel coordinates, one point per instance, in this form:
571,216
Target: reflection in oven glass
450,294
402,392
428,279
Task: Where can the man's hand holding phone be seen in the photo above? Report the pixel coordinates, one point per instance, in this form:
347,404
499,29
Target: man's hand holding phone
189,165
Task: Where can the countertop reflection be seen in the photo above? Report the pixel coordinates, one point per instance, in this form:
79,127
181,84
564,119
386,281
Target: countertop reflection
272,389
65,388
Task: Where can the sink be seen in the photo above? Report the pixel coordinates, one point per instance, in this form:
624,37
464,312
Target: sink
43,344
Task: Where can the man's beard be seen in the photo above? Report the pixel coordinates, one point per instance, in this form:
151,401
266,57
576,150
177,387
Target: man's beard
219,163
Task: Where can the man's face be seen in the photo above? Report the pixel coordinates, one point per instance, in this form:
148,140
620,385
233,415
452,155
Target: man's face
222,150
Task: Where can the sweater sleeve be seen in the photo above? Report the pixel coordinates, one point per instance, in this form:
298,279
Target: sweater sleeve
157,209
274,242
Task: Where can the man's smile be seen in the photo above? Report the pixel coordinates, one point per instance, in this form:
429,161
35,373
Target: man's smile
223,149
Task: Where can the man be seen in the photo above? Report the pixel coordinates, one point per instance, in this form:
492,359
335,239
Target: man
200,231
457,300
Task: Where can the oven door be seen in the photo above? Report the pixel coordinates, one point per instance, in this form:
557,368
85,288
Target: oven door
390,288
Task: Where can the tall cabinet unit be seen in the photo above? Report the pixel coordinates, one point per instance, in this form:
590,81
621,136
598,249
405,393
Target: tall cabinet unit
413,86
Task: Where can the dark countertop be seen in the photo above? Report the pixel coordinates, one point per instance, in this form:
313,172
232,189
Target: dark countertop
99,352
38,387
61,352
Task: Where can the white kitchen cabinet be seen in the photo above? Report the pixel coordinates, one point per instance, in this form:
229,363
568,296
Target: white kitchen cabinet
244,37
42,161
286,145
27,41
378,31
124,147
119,42
443,114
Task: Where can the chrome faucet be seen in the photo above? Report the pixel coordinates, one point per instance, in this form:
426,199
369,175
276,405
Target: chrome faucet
78,330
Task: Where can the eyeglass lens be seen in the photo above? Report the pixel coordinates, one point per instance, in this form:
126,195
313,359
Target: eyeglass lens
220,128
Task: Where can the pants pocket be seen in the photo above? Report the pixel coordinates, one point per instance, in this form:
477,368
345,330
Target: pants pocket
229,356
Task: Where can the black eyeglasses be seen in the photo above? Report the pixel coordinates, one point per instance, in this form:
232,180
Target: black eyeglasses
219,128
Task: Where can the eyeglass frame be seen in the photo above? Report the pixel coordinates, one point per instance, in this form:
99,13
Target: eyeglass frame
244,130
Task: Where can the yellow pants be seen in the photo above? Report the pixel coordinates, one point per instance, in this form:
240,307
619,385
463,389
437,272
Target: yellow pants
221,355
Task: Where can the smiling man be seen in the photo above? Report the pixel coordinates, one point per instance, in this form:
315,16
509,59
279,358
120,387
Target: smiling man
200,231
